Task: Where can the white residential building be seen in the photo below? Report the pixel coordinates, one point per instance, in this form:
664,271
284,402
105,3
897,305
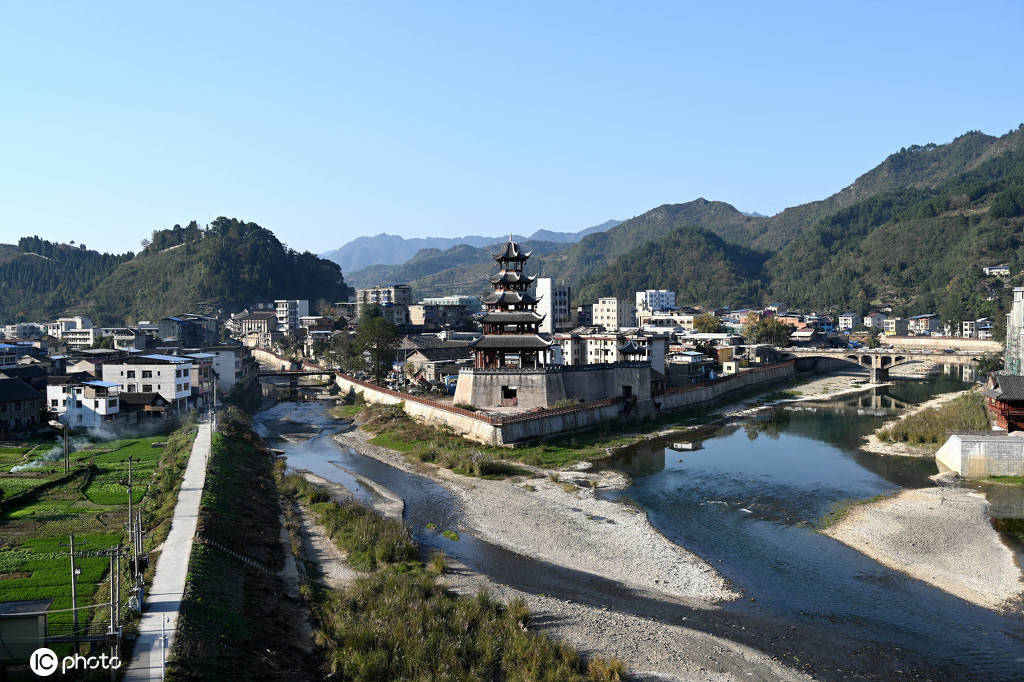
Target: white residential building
655,299
613,313
874,320
554,305
24,331
57,328
86,404
167,375
231,363
847,321
288,314
590,346
77,339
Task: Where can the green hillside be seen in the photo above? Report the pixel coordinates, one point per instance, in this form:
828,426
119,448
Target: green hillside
39,280
228,265
917,167
918,249
698,265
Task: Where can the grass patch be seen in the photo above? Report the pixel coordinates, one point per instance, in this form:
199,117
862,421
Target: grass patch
451,535
422,442
1014,527
1007,480
369,539
841,509
934,424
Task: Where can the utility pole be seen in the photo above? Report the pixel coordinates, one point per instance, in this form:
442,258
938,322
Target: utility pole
131,521
67,456
74,597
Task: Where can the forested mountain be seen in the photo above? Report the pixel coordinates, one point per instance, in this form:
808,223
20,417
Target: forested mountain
699,266
926,222
225,266
230,264
389,249
920,167
40,279
918,249
459,269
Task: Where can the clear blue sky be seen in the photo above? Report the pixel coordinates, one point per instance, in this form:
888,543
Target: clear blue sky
328,121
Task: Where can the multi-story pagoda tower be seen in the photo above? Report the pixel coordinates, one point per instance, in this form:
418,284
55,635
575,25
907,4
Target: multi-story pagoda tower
511,322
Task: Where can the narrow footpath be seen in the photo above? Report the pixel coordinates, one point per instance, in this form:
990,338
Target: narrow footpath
163,601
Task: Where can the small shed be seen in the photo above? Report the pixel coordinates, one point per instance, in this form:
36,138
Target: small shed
22,627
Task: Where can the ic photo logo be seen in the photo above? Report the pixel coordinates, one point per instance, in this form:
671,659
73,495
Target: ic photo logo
44,662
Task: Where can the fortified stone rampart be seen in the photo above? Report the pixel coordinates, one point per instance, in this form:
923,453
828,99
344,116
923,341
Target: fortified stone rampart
511,429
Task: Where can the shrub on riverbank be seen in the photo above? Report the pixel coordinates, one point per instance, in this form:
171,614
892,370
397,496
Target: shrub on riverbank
934,424
398,622
392,625
369,539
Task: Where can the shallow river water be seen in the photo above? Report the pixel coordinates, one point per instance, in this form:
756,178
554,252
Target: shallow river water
748,500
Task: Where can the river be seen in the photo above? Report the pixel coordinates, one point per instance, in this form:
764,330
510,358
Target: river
748,500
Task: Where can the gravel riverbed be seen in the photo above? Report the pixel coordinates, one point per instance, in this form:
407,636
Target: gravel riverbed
564,523
941,536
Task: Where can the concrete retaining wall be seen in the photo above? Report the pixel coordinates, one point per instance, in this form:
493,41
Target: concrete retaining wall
276,361
941,343
979,456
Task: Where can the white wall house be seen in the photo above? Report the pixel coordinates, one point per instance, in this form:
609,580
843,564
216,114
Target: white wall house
231,363
86,404
167,375
847,321
874,320
553,304
289,312
655,299
613,313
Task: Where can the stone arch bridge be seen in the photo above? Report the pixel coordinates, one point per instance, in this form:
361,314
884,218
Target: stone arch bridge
881,360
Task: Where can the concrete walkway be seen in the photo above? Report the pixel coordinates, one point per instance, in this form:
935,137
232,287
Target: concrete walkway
164,597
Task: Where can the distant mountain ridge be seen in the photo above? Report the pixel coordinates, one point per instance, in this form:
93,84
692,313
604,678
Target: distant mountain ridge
390,249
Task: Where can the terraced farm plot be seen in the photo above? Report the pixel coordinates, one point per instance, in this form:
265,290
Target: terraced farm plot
42,506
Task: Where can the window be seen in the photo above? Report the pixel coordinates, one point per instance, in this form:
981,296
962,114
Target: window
131,374
147,374
147,388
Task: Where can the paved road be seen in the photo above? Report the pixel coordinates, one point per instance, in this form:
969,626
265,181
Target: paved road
164,598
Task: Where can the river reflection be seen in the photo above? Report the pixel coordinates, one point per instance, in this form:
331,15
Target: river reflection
750,501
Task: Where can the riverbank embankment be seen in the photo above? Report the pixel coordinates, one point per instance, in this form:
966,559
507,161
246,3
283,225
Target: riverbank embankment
941,536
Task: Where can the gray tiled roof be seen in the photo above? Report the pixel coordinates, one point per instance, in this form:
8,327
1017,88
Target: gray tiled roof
1007,387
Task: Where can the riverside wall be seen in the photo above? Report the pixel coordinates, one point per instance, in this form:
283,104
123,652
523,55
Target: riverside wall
512,429
981,455
941,343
